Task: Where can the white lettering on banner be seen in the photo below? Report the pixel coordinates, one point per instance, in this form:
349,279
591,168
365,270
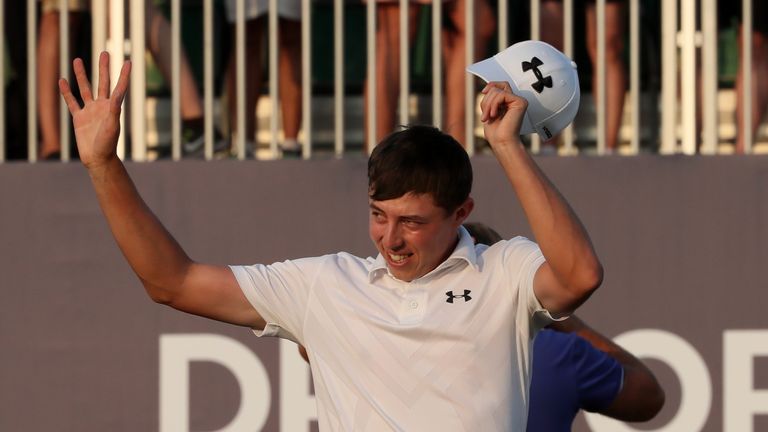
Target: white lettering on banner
297,406
688,365
177,351
740,400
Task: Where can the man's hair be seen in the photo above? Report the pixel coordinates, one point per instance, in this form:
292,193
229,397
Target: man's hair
420,160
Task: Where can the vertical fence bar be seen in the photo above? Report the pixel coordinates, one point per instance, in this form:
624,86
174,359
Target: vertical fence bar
138,95
668,143
405,64
634,74
175,79
503,34
535,35
117,56
240,78
306,76
370,28
338,77
64,72
2,87
688,76
600,106
746,59
437,62
208,77
568,47
99,33
31,81
709,77
274,78
469,79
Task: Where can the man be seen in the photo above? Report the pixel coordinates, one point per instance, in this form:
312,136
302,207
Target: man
430,335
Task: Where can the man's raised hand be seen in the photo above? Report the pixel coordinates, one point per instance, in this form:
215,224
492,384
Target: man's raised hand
97,122
502,113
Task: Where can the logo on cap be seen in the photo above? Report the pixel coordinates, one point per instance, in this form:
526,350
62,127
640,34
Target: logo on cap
542,81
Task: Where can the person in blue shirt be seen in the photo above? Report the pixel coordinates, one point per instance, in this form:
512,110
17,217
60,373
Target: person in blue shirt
575,368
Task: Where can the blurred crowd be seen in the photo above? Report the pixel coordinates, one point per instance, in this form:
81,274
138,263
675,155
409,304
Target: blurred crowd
454,40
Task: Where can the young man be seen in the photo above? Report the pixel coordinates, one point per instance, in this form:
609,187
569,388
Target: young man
430,335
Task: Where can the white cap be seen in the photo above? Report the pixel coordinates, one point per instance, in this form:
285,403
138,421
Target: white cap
544,76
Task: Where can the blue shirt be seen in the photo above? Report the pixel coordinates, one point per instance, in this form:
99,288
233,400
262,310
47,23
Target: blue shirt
569,374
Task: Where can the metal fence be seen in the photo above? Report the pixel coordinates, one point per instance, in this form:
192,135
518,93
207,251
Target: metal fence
686,42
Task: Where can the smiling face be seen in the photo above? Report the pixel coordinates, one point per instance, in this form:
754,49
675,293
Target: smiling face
413,234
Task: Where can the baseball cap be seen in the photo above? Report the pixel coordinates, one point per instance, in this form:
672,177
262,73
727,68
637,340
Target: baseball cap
542,75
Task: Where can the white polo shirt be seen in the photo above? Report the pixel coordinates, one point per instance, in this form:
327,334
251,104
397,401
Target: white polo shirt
449,351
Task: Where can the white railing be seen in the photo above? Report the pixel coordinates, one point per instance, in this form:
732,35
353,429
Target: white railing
680,45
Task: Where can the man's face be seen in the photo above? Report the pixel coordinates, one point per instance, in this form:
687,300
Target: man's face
413,234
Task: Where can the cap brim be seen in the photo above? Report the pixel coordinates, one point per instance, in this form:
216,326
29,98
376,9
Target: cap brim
490,70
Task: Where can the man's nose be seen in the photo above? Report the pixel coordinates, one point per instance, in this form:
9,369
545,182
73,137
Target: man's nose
393,239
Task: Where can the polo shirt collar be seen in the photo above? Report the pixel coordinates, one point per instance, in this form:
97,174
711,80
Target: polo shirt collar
464,251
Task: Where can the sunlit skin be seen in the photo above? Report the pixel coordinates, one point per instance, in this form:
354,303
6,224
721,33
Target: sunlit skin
413,234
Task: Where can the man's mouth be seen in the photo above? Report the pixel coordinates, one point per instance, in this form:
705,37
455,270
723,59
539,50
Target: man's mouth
398,258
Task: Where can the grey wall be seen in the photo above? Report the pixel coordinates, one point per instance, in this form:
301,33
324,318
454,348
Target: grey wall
683,241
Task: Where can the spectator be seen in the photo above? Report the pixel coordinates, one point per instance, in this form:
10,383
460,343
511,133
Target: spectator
759,90
157,33
616,75
454,50
289,64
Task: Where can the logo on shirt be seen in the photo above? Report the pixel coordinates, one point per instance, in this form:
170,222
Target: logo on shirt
541,80
452,296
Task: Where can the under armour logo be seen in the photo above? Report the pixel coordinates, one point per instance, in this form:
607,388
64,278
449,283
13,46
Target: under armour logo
542,80
452,296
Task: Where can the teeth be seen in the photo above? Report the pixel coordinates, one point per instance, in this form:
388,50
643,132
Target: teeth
397,258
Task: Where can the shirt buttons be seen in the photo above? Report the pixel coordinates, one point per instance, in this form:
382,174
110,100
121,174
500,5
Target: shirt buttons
413,304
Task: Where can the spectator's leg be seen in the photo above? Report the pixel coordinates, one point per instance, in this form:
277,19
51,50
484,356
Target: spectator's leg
759,87
454,50
290,80
48,75
552,18
254,36
158,35
616,75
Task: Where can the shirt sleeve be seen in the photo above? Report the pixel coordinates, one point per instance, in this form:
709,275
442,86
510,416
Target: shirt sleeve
279,293
522,258
599,376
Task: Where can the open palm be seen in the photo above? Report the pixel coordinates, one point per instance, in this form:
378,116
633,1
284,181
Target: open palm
97,122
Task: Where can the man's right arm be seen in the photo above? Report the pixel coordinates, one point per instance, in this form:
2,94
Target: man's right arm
168,274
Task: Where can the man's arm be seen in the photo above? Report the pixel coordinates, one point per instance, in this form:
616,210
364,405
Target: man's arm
572,270
641,397
168,274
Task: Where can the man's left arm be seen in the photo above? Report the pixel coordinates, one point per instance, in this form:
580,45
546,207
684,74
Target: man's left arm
641,396
572,270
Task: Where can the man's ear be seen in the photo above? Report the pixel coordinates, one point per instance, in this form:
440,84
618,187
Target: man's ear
462,213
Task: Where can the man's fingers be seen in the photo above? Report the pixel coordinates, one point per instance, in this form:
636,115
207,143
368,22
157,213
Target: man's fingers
82,80
118,94
103,75
501,85
69,98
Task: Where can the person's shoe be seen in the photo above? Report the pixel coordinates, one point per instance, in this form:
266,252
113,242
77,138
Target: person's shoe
290,149
193,145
